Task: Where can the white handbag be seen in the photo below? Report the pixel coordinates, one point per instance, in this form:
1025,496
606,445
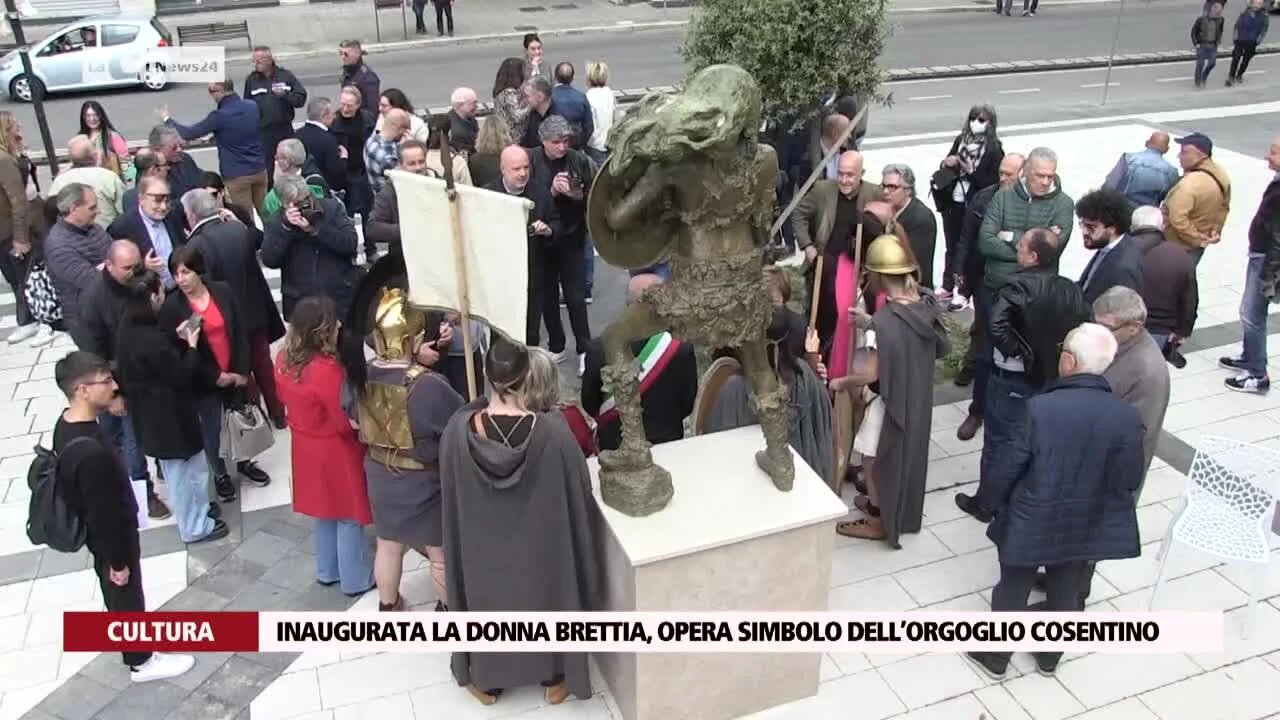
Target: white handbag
246,432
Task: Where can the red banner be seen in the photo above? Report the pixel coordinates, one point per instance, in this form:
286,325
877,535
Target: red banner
160,631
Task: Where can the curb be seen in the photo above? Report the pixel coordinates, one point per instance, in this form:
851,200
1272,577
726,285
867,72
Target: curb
618,27
1081,63
633,95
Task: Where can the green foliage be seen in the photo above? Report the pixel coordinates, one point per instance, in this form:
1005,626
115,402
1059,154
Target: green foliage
795,49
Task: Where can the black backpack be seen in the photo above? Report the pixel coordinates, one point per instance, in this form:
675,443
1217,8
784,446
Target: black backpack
51,521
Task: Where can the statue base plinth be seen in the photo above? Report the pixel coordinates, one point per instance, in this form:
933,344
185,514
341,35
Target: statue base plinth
728,540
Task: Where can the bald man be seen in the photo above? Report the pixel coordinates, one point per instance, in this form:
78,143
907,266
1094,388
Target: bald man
463,126
824,224
382,149
668,382
86,171
514,165
1144,177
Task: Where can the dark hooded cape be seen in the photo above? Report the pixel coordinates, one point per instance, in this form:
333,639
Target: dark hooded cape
519,536
909,338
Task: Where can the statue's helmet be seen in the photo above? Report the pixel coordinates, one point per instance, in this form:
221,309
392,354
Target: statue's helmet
398,327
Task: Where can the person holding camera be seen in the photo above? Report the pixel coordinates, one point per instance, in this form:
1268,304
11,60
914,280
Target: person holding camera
568,174
314,245
162,374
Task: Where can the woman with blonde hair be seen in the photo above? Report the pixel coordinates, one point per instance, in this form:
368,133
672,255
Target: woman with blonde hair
494,135
327,455
604,108
542,394
17,250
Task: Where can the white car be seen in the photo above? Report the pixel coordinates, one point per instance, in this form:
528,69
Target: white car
90,53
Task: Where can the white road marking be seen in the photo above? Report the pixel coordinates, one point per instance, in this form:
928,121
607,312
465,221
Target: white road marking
930,97
1019,91
1098,85
1173,79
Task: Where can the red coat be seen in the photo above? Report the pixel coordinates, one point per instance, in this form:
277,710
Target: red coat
328,457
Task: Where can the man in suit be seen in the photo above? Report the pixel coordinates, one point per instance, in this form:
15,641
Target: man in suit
321,145
825,222
667,398
150,224
230,256
1117,260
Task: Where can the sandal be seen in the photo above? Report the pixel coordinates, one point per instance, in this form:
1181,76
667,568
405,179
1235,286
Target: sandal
557,693
862,529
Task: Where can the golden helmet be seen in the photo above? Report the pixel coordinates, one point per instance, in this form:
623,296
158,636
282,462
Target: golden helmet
398,327
886,256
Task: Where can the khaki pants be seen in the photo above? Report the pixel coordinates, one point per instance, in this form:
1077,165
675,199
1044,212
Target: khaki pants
249,191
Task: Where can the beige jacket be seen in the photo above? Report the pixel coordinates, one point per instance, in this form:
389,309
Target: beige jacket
1196,208
815,215
15,226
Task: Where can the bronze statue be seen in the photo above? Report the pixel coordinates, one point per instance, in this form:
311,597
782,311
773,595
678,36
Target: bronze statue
688,181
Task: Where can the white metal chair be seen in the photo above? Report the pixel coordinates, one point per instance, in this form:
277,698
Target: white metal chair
1227,510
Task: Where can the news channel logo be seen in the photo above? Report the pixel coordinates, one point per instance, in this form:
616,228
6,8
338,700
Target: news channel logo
159,66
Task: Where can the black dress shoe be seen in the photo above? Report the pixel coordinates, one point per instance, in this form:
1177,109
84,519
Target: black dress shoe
224,488
277,421
254,474
215,511
970,505
987,664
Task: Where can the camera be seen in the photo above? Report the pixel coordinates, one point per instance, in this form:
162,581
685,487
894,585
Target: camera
310,209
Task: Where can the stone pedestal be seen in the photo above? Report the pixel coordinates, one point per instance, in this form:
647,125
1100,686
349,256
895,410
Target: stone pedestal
729,541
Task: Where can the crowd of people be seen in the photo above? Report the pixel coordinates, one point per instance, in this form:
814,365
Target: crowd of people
155,268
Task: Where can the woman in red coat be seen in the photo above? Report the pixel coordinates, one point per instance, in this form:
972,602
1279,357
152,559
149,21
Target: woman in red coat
328,457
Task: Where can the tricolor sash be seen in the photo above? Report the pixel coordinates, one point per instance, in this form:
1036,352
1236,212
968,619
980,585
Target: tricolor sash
654,358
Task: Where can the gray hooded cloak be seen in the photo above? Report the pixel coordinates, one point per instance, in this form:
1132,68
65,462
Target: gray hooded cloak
519,536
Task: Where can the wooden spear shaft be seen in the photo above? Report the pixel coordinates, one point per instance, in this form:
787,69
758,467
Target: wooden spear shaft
459,264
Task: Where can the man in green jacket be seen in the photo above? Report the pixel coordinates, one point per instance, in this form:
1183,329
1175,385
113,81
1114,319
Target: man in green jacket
1036,201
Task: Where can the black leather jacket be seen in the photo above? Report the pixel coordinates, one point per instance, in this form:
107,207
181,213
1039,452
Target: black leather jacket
1032,315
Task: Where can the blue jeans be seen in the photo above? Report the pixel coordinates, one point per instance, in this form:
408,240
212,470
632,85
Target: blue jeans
209,408
121,433
188,482
662,270
1253,318
343,555
1206,58
1002,418
982,299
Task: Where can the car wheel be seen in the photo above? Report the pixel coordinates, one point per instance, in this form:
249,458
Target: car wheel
155,77
25,89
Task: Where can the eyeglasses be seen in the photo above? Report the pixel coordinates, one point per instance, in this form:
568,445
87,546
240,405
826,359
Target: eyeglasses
103,381
976,116
158,197
890,187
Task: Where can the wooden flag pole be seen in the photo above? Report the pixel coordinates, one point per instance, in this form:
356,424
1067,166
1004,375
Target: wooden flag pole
817,170
459,262
817,292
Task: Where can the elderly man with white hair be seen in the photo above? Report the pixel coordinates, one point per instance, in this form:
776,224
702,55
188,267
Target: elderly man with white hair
463,126
1169,287
291,159
1138,374
1068,494
86,171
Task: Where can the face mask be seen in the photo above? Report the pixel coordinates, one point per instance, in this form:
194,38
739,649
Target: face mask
977,127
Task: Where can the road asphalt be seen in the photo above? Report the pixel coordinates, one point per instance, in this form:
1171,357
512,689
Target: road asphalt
644,58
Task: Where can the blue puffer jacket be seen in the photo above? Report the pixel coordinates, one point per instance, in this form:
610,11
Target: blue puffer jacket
1068,483
234,126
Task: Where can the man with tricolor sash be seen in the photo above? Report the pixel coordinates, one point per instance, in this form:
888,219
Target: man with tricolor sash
668,382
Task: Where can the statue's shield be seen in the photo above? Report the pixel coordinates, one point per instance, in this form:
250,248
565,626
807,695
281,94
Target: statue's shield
633,248
709,389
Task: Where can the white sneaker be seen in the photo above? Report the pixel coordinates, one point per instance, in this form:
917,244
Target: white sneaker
958,302
23,332
162,666
582,364
43,336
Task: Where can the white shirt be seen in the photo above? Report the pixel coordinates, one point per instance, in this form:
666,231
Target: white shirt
106,185
604,108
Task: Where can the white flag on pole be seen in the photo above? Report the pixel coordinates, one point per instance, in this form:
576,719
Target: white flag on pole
495,246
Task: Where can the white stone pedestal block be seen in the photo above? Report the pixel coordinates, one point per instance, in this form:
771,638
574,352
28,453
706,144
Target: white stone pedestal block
728,541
